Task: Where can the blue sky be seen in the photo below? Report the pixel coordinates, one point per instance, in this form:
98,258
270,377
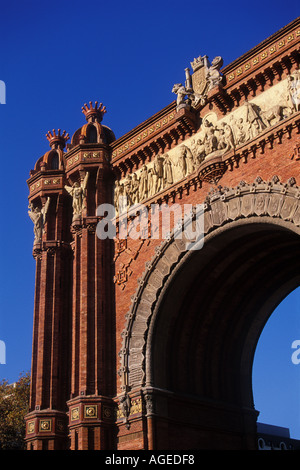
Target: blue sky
54,57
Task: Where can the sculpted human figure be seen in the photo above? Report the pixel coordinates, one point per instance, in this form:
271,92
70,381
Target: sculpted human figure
143,184
200,151
240,131
122,200
221,138
168,171
78,193
294,90
134,189
194,147
256,124
189,159
159,172
184,95
227,137
125,406
210,139
152,181
38,217
128,189
181,161
214,76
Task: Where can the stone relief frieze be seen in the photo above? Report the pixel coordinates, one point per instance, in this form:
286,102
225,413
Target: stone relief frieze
215,138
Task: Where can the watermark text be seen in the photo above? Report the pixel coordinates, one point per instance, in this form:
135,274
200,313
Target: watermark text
2,352
160,221
2,92
296,353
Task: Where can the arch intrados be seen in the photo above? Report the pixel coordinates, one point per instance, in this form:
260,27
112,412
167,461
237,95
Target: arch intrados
229,234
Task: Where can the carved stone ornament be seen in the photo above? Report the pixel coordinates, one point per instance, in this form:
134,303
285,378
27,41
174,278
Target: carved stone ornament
90,411
215,138
294,90
45,425
124,407
78,193
38,217
204,78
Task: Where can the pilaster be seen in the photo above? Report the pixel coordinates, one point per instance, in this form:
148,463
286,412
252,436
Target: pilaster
47,420
93,364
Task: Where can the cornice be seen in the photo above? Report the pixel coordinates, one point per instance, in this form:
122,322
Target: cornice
45,182
152,137
273,46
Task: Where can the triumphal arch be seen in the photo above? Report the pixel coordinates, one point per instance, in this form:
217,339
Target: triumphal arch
161,255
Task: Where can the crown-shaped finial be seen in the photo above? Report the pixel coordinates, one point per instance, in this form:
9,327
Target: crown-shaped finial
197,63
93,112
57,139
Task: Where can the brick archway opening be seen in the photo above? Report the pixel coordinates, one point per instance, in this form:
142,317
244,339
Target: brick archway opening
204,329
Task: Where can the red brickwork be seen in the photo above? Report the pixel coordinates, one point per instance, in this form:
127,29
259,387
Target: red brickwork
85,287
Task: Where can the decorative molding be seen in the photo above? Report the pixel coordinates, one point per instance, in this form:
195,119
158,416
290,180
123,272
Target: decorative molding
128,407
125,270
91,411
45,425
144,135
262,57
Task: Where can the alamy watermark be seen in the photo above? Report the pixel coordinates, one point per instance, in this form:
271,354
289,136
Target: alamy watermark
159,221
2,92
296,353
2,352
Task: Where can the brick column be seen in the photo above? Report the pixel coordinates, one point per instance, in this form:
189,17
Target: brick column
46,422
93,364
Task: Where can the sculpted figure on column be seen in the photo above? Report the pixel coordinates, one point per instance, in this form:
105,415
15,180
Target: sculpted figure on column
38,217
78,193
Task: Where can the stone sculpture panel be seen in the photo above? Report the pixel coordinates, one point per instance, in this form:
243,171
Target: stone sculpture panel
214,138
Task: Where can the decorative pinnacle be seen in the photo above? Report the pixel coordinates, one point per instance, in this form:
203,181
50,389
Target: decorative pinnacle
57,139
94,112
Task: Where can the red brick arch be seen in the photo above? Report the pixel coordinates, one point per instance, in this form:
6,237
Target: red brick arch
196,317
271,202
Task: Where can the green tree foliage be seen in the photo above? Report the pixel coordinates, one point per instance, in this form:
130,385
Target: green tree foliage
14,405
